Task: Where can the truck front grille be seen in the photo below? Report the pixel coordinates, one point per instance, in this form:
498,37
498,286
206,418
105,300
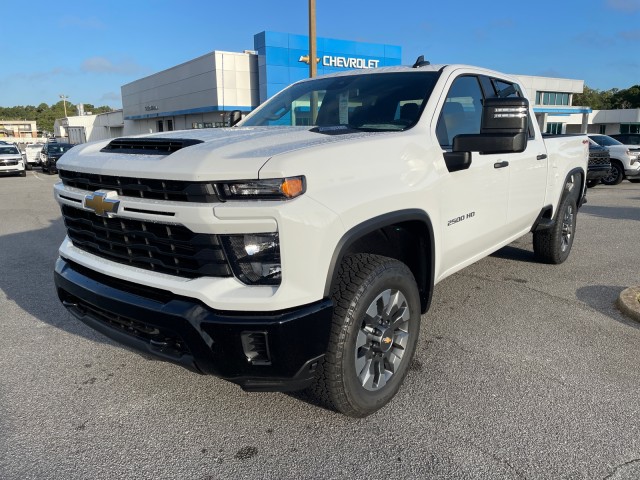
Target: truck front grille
165,248
8,163
599,160
176,190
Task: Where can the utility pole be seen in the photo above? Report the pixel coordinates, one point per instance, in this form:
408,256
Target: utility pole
64,102
313,68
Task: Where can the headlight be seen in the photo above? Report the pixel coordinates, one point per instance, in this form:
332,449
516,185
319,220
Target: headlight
268,189
254,258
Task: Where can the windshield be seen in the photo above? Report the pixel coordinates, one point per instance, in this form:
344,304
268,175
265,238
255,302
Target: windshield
58,148
8,150
372,102
605,140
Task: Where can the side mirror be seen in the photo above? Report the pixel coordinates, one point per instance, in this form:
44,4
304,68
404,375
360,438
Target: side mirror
504,128
234,117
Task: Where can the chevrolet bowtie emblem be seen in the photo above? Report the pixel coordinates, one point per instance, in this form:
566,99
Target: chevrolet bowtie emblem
305,59
104,203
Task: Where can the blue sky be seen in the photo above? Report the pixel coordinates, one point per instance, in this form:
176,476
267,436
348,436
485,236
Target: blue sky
87,50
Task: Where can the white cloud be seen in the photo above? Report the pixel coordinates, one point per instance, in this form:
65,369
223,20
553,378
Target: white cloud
91,23
111,97
624,5
104,65
631,35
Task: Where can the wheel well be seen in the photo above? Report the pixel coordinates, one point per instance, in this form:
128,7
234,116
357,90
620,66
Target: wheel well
410,242
619,162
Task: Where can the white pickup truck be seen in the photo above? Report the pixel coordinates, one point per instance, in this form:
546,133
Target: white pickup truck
298,249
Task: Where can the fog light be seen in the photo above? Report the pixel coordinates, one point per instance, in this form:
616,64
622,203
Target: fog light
254,258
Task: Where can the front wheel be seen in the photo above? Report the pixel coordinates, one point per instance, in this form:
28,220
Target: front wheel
554,245
615,175
375,328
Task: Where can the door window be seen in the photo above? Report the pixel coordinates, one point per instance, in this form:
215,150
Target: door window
462,110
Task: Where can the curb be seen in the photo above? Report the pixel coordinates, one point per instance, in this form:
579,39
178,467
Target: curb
629,302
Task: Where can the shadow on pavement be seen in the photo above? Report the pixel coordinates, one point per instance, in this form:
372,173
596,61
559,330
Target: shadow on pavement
26,277
615,213
515,253
602,298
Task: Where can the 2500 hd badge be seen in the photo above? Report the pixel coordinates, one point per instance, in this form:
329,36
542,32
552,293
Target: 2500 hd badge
460,218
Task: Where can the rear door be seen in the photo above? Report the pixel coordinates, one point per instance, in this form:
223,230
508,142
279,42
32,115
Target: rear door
527,171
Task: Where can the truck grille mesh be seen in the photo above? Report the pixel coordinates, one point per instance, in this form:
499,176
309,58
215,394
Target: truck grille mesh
171,249
598,158
180,191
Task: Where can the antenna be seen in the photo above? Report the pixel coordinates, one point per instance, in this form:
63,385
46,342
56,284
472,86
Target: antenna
421,62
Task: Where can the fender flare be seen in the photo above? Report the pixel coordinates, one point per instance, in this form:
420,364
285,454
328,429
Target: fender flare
358,231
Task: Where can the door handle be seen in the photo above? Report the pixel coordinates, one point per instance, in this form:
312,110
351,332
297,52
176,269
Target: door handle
501,164
542,156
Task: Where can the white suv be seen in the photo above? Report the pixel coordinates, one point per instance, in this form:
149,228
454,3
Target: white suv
625,163
11,161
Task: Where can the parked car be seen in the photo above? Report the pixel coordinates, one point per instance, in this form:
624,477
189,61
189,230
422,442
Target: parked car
624,162
628,138
32,154
50,154
11,161
599,164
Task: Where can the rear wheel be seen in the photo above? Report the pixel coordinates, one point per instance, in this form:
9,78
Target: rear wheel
374,332
554,244
615,175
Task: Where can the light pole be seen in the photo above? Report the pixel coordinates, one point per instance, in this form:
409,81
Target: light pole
313,68
312,39
64,102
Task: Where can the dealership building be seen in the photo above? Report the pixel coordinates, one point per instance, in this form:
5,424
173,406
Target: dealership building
202,92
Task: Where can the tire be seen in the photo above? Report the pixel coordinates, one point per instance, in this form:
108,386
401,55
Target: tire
615,176
43,168
23,173
592,183
374,332
27,166
554,244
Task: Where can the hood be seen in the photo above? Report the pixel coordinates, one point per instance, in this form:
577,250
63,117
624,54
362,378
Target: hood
11,156
223,154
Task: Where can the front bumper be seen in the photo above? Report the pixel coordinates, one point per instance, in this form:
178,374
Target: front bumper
598,172
635,173
272,351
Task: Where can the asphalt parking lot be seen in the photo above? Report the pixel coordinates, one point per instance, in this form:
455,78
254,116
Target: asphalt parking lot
523,371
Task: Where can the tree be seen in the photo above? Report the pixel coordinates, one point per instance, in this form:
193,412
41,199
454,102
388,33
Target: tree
629,98
596,99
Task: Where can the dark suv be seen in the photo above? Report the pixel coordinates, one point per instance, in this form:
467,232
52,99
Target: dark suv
627,138
599,164
50,154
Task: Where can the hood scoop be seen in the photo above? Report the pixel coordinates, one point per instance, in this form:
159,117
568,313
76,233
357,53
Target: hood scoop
149,146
